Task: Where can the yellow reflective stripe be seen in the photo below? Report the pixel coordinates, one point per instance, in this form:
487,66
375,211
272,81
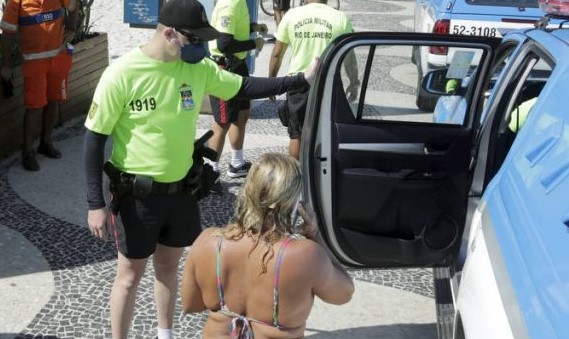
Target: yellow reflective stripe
8,26
42,55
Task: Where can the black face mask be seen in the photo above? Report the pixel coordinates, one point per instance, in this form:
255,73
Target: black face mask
193,53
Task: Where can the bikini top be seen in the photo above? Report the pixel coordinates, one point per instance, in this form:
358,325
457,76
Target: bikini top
240,327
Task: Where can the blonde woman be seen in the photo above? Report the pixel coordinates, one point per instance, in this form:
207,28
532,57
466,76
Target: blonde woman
259,275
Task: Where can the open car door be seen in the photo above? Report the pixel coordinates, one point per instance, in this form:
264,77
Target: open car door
389,183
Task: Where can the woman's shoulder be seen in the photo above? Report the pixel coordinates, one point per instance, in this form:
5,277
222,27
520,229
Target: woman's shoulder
208,235
305,248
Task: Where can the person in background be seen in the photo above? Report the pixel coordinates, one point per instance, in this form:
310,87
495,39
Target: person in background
308,30
45,68
280,7
259,275
148,100
229,50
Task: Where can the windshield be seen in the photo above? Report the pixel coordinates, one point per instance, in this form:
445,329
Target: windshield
505,3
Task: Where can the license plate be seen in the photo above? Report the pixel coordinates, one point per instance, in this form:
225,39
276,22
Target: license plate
483,28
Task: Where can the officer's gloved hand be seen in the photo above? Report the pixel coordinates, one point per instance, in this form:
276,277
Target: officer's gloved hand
202,177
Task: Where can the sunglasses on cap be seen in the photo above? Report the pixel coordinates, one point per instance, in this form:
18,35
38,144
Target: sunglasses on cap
194,40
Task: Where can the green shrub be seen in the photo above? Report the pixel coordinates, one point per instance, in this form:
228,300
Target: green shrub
83,20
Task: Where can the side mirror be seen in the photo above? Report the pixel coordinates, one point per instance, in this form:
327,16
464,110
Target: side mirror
435,82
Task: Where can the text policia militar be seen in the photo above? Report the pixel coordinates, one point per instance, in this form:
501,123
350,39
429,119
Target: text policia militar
313,34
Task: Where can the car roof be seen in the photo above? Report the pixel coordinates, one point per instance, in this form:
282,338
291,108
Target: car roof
552,40
562,34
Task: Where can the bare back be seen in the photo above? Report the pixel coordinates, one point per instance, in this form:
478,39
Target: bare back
249,292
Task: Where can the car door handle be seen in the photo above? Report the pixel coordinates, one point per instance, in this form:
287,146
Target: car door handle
437,149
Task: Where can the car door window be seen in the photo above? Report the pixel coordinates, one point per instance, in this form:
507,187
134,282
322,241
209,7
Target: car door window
390,83
524,89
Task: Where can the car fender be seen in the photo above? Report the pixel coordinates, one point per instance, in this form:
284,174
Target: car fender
478,301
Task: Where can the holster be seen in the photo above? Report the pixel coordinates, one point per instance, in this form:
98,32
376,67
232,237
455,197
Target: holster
120,186
202,177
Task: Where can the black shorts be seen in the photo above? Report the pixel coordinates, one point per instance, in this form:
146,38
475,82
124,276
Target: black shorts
170,220
281,5
227,111
296,101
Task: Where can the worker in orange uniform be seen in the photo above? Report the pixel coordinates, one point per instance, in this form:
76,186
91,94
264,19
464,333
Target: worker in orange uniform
46,65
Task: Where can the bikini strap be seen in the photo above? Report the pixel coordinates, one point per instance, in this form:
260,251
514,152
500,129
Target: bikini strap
276,282
218,274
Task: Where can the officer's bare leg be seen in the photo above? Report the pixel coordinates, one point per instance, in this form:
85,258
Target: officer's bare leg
50,115
294,147
32,119
123,294
237,130
217,141
166,261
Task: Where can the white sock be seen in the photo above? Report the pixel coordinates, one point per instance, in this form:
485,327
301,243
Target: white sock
215,165
165,333
237,159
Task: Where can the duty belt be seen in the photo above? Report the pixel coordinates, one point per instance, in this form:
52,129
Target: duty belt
139,186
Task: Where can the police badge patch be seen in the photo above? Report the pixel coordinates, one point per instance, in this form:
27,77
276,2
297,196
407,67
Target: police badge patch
225,21
187,99
93,110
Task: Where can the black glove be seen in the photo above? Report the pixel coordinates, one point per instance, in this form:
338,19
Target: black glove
202,177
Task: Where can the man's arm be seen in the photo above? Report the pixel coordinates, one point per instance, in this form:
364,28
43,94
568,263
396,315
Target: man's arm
351,67
257,87
276,58
228,45
275,63
94,153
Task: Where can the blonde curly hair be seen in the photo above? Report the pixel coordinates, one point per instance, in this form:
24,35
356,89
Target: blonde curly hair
265,203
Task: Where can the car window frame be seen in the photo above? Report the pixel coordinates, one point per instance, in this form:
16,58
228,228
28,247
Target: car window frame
498,106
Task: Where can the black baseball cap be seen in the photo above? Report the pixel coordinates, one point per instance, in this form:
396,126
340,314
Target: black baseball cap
189,16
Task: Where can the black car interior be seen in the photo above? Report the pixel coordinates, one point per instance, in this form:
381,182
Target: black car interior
408,205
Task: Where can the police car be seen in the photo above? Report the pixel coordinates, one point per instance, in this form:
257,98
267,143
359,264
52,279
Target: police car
482,197
489,18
